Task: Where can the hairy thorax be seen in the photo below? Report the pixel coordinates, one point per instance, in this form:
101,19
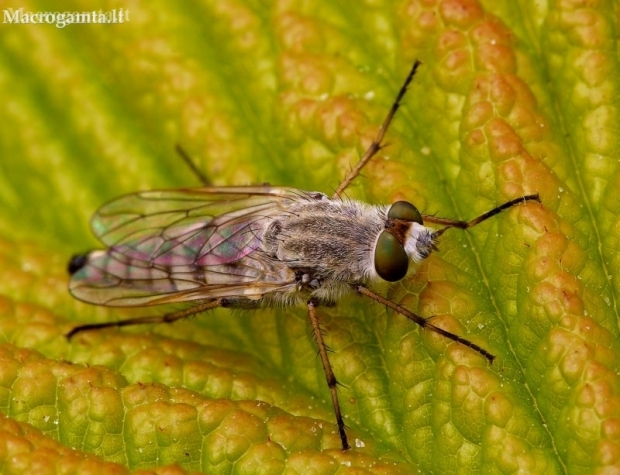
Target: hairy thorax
329,241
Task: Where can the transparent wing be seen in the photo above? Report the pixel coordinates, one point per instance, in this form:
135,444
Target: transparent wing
178,245
202,226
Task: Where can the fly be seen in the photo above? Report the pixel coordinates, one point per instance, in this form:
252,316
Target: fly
259,246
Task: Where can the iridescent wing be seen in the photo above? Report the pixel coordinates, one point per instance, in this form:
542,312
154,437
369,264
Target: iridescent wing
188,244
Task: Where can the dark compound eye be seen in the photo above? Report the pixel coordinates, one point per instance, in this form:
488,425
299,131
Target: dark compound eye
391,260
405,211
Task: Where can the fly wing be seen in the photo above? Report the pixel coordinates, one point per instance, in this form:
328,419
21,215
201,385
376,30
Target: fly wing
178,245
202,226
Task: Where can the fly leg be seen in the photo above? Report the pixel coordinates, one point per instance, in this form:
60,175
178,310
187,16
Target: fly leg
453,223
423,322
377,143
192,166
332,383
167,318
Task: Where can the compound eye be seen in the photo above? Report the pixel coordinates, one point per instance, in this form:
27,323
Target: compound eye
405,211
391,260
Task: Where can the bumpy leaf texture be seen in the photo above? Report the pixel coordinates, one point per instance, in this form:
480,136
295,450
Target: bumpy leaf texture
513,97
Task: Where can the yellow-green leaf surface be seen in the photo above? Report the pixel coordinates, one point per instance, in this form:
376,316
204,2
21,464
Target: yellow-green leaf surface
513,97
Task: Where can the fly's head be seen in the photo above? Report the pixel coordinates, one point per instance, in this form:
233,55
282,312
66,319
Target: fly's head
405,237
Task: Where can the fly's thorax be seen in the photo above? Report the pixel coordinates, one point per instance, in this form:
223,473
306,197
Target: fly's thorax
403,238
330,240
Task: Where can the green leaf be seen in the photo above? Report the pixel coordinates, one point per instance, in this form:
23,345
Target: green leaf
512,98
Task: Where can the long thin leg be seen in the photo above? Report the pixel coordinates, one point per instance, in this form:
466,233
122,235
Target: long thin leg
188,161
167,318
453,223
329,374
376,144
423,322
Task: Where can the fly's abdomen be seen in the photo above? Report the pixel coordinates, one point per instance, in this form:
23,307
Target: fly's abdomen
114,279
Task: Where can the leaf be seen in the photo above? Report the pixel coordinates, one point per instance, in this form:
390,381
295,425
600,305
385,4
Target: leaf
512,98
